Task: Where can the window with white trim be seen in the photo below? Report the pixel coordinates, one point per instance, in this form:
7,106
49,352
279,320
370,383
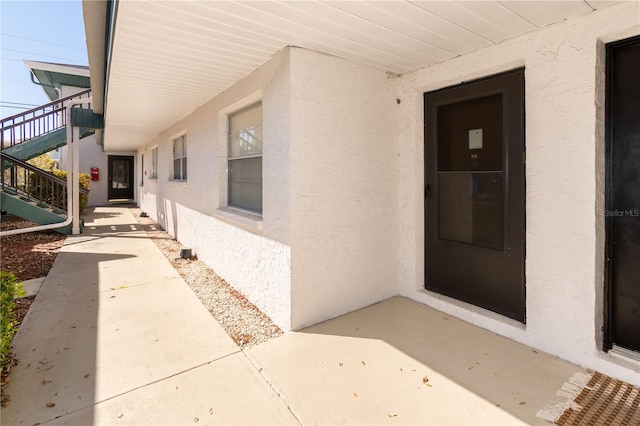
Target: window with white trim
245,158
154,163
180,158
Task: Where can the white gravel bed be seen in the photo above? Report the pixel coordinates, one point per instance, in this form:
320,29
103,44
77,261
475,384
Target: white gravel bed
244,323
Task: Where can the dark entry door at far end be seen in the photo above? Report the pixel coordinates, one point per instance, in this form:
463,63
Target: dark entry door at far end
120,177
475,193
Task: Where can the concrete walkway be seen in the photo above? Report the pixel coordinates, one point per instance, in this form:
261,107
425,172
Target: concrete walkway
115,336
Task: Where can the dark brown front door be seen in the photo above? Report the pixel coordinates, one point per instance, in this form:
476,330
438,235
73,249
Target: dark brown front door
474,193
623,195
120,177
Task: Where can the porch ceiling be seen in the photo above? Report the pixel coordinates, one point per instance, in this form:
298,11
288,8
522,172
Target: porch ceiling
168,58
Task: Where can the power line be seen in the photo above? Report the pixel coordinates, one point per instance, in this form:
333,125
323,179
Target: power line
38,54
17,103
42,41
14,107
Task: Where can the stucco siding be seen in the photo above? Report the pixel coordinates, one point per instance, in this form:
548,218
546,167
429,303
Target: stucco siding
564,183
344,186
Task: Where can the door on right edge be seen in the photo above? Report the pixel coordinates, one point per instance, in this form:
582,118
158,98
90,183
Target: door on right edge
475,193
623,195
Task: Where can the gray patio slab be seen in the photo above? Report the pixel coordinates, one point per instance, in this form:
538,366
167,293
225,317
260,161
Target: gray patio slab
400,362
227,391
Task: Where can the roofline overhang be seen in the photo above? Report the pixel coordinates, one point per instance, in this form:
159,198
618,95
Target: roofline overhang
99,23
52,91
97,17
59,68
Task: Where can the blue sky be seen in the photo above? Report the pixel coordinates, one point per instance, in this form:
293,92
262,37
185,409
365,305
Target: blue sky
48,31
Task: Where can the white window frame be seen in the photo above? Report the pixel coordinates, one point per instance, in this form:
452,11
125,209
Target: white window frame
154,163
182,176
231,158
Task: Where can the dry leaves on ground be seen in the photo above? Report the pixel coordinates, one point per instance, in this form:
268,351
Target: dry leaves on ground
29,255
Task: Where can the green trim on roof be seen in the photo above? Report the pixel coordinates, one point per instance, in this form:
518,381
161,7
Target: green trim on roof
51,80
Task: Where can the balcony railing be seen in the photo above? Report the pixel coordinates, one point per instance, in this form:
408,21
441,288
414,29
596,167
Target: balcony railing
33,184
38,121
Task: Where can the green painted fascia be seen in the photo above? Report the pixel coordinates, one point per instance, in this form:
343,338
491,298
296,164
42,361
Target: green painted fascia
81,117
50,80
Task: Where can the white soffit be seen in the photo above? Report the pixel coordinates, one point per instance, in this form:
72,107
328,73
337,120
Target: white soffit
170,57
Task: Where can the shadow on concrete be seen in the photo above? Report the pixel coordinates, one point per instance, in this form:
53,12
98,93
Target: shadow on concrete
56,345
95,212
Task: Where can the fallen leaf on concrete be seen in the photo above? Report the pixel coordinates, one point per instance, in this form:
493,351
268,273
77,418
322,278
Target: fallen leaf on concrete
48,368
522,403
50,404
340,364
355,394
363,363
425,379
112,297
122,286
196,420
392,415
210,410
121,416
86,376
44,381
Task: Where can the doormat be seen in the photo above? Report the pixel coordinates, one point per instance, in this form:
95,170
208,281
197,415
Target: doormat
595,399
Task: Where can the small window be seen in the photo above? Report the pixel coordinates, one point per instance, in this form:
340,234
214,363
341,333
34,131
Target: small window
180,158
245,158
154,163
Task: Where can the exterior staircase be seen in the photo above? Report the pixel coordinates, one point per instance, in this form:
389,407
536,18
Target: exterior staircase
26,190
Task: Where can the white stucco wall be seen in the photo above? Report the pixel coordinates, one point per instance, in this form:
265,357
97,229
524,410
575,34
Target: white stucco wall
251,253
344,186
564,175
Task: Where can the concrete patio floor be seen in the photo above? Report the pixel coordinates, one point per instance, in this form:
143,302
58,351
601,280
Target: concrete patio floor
115,336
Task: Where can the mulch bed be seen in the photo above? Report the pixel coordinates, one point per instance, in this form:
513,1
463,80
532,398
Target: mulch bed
31,255
27,256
